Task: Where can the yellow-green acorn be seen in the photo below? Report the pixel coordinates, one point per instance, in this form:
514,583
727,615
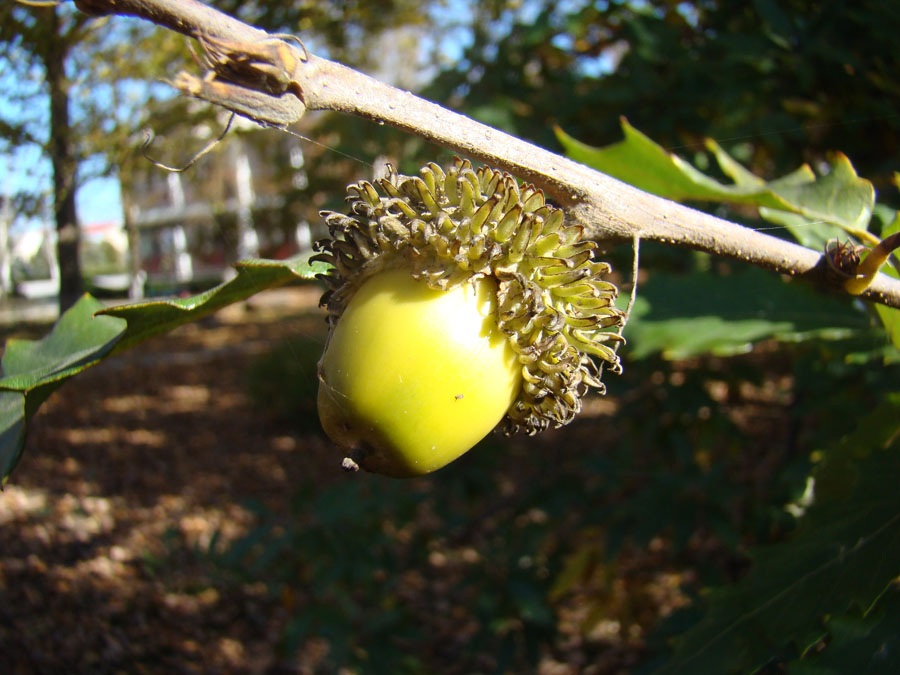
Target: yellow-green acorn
457,301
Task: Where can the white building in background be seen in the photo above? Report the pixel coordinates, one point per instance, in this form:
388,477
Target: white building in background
232,204
33,268
192,226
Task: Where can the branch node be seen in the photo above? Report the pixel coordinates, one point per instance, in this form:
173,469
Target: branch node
255,79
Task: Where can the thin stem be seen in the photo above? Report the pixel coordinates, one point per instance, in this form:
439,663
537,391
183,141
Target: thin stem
635,269
193,160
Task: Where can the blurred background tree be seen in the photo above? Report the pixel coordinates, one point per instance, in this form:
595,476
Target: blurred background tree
78,91
44,45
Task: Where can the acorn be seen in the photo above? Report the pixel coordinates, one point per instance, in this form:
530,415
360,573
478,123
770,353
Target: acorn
458,301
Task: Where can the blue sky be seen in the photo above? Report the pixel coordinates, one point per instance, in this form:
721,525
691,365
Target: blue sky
99,201
26,169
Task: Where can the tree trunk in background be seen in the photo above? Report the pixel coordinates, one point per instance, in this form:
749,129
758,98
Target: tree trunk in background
65,167
6,286
129,218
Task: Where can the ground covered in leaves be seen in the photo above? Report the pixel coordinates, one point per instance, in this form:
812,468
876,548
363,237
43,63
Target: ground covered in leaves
130,468
145,473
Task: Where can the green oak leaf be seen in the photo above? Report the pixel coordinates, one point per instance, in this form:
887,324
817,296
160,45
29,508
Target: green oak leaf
859,642
685,315
890,316
840,199
146,319
33,369
89,332
844,554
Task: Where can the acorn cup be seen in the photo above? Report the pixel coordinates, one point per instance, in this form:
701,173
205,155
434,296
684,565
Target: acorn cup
457,301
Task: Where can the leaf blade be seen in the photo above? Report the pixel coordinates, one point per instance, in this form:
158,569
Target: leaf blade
147,319
75,342
89,332
844,554
686,315
840,198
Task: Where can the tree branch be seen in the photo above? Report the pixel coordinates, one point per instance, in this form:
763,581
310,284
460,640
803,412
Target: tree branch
273,81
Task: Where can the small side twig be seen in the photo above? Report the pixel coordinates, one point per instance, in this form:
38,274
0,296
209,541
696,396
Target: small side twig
635,268
148,139
39,3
